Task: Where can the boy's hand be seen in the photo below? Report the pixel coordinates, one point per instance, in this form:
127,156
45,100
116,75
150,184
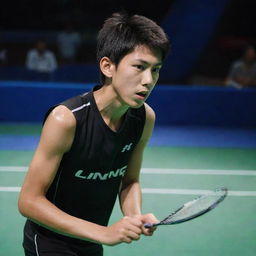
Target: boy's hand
125,230
147,218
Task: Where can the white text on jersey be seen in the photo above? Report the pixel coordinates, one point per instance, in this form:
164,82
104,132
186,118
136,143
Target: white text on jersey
127,147
97,175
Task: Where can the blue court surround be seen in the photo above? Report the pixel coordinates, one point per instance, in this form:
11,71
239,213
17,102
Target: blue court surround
18,142
187,116
174,105
194,136
171,136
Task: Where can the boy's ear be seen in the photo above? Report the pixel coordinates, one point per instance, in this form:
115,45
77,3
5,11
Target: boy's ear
107,67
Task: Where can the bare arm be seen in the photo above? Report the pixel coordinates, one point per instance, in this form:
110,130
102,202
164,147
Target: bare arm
130,195
56,139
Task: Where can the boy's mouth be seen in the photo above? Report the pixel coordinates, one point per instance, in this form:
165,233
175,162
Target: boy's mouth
142,94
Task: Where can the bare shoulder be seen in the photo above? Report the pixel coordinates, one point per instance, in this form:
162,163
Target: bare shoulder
150,114
59,129
149,124
62,116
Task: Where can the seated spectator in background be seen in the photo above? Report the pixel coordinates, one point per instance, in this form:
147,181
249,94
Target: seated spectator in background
242,73
41,59
68,42
3,54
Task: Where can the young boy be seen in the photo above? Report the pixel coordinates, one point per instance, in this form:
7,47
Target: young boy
91,150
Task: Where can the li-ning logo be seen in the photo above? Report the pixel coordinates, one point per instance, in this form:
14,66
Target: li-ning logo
127,147
97,175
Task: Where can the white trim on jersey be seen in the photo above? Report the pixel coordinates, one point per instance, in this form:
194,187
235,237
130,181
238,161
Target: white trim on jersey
81,107
35,241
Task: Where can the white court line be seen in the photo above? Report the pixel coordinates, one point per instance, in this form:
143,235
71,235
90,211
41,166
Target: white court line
159,171
164,191
13,168
197,172
9,189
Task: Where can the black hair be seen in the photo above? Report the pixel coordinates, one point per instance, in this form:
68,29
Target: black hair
121,33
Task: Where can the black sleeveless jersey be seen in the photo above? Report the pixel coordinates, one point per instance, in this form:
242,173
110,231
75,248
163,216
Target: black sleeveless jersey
88,179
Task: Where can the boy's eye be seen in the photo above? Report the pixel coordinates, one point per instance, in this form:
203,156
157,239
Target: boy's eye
140,67
156,70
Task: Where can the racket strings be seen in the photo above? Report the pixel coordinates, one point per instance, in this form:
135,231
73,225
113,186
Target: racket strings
196,206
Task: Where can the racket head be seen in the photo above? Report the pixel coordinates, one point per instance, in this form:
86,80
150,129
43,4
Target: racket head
194,208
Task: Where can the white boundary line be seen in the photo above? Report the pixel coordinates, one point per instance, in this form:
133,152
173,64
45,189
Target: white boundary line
163,191
9,189
160,171
198,172
13,168
166,191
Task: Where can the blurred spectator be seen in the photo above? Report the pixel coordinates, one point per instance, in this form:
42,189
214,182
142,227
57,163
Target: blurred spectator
68,43
243,72
3,56
41,59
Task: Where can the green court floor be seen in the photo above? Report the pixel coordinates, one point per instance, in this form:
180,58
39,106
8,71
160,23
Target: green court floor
229,229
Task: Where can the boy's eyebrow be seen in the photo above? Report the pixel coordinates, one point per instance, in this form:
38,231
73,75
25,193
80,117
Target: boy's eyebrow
146,62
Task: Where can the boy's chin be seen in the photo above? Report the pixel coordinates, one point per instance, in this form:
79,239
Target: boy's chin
136,104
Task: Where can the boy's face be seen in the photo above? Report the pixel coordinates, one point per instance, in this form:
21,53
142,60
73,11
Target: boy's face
41,46
250,55
136,75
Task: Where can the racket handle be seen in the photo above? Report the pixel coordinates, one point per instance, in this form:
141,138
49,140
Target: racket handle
150,225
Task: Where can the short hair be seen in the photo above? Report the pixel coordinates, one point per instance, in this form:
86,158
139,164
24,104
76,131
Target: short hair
121,33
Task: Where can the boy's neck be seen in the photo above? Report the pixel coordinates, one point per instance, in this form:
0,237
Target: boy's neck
110,107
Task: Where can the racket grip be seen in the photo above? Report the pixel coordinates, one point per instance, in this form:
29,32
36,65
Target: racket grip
148,225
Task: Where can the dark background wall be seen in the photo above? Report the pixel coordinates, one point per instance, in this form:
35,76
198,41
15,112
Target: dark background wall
206,35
